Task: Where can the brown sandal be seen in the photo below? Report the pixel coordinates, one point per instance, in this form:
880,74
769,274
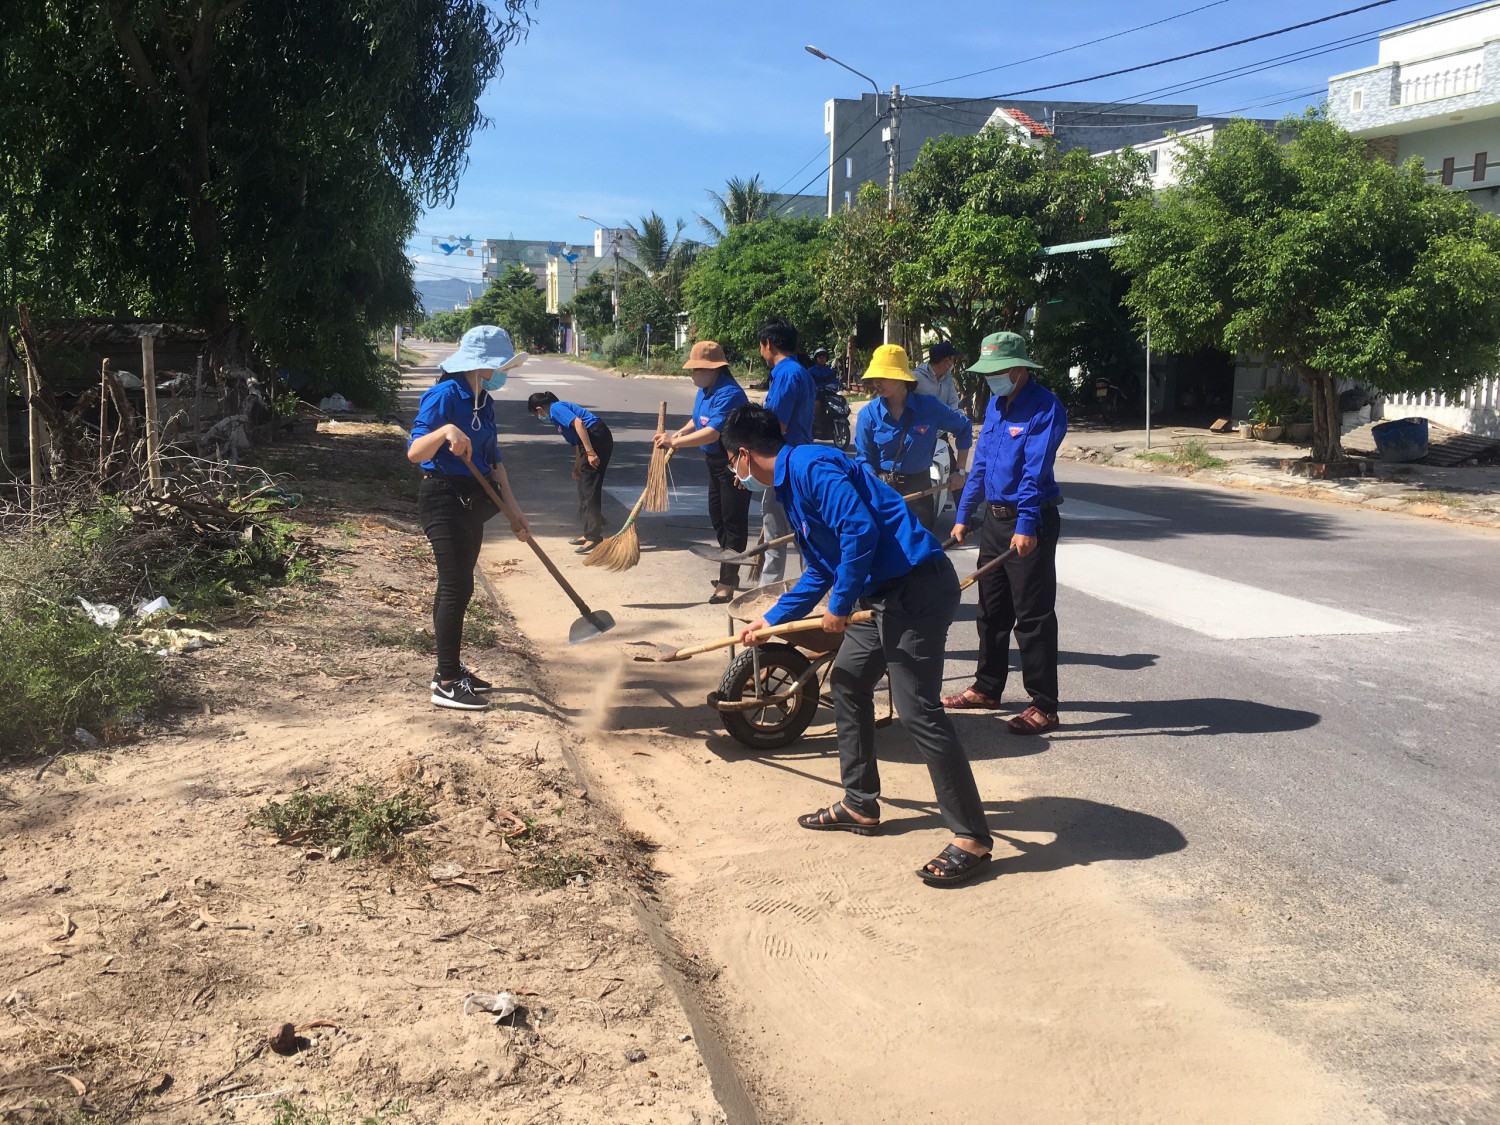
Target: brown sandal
1033,720
970,699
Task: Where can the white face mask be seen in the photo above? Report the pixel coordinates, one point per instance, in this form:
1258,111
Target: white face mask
1000,385
748,481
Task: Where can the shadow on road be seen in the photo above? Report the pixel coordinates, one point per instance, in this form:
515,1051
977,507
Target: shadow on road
1181,718
1189,512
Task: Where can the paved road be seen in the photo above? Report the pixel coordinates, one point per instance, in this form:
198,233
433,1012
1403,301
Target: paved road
1300,700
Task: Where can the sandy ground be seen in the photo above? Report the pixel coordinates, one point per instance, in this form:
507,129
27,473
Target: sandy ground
149,938
849,991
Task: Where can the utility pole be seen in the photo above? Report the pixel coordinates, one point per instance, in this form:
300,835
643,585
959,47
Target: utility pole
893,148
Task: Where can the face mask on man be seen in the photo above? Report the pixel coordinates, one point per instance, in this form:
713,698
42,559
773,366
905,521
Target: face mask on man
748,481
1000,385
496,381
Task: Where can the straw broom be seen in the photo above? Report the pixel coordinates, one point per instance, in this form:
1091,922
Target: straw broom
656,473
622,550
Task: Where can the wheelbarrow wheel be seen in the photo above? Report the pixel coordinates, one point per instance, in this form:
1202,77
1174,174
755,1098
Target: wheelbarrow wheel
778,724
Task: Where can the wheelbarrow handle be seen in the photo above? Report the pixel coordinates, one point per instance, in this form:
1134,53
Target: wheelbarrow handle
800,626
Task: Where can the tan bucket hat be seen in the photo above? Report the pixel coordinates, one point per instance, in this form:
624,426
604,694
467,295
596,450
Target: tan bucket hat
705,355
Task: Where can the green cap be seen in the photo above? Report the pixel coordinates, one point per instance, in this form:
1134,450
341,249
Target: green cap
1000,351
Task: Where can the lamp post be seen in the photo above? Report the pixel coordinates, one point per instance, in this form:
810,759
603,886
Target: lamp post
892,138
614,240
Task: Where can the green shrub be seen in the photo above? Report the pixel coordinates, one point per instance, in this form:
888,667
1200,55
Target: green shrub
617,345
60,672
360,823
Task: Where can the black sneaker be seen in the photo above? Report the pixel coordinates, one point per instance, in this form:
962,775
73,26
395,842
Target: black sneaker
476,685
458,695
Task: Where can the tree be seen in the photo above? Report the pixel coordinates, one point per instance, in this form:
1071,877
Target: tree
1336,266
758,270
516,304
592,307
743,201
651,293
861,247
255,168
448,325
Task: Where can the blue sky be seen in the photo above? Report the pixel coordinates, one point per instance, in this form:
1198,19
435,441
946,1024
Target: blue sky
614,109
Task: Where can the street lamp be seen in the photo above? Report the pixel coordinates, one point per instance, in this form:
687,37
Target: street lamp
614,240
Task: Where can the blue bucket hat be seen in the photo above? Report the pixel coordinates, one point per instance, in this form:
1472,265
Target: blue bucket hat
483,346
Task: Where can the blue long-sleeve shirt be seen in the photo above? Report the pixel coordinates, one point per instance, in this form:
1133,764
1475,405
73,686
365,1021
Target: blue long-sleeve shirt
855,532
562,415
450,400
712,407
1014,456
791,398
877,434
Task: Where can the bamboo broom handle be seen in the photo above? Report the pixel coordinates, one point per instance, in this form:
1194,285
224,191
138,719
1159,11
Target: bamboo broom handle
635,511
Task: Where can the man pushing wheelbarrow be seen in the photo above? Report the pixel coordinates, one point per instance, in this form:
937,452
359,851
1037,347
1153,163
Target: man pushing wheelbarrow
862,547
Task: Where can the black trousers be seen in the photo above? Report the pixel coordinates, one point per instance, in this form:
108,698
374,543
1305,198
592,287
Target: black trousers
591,482
452,512
906,640
1019,596
924,509
729,512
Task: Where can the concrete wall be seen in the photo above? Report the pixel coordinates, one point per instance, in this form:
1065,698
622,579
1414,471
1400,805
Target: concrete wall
1475,411
1432,37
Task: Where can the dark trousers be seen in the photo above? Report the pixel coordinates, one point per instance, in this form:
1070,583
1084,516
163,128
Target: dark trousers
729,512
452,512
1020,595
591,482
924,509
906,640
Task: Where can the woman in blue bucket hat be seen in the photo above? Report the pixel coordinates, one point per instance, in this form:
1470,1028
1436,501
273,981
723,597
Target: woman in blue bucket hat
456,420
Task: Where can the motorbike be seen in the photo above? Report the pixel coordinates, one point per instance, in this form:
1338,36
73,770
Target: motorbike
831,417
1112,398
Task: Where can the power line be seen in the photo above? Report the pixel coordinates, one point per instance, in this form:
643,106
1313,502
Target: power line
1065,50
835,160
1191,54
799,171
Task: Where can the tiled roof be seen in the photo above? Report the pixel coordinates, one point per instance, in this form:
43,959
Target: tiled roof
1027,122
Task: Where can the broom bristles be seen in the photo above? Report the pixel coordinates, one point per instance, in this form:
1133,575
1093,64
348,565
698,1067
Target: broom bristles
656,481
618,552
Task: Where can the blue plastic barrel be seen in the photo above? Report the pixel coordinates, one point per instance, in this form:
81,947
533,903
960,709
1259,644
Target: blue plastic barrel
1404,439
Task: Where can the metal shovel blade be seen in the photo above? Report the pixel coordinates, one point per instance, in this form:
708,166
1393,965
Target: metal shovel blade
589,626
721,554
648,652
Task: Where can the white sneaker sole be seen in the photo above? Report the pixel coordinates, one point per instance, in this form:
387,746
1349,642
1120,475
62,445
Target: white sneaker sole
456,705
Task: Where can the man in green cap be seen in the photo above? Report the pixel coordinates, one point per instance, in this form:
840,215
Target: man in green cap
1012,475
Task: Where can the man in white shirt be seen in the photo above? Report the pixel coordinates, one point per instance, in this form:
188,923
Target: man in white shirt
935,377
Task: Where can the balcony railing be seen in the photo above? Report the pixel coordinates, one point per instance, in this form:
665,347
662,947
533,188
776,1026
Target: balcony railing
1428,85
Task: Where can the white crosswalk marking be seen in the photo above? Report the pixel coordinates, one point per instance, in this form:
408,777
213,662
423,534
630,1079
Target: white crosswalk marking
1213,606
684,498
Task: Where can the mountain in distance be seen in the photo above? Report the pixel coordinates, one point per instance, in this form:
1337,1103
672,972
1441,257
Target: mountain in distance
441,294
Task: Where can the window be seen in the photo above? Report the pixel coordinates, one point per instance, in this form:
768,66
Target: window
848,167
1448,163
1357,100
1152,159
848,202
1481,166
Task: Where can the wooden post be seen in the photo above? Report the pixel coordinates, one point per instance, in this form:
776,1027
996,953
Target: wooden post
396,348
198,399
33,427
4,405
103,406
153,415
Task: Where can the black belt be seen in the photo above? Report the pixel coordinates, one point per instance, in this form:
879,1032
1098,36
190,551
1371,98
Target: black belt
434,474
1010,511
902,481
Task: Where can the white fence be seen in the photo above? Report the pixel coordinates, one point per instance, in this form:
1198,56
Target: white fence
1475,410
1445,77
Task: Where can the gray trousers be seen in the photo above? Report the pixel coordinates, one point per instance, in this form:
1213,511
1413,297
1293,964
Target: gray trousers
906,640
774,520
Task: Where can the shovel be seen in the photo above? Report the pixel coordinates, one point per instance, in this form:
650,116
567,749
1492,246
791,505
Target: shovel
594,621
720,555
647,653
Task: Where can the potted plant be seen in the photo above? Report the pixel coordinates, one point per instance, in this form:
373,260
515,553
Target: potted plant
1299,426
1269,411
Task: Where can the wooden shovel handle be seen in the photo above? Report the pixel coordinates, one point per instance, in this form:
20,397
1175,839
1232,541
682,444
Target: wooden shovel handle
783,540
985,569
799,626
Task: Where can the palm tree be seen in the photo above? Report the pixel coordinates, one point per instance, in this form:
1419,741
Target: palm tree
743,201
661,260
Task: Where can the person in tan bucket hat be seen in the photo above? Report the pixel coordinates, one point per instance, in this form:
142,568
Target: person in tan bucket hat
728,504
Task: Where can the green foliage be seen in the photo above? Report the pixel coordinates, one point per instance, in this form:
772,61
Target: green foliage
1334,265
449,325
592,307
288,1112
544,865
516,304
1275,406
651,288
742,201
758,270
361,822
1190,455
643,303
60,672
616,345
252,168
856,270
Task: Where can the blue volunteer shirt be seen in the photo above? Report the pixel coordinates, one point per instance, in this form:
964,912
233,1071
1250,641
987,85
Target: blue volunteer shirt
1014,456
791,398
450,400
855,532
877,434
712,407
823,376
562,415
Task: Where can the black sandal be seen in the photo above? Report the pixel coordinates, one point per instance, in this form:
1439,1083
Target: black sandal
836,818
954,865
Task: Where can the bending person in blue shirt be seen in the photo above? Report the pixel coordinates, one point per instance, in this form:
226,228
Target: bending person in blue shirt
456,419
897,432
592,445
1013,477
728,503
863,548
792,398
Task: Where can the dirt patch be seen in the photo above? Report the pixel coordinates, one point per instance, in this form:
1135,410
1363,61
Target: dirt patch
151,939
